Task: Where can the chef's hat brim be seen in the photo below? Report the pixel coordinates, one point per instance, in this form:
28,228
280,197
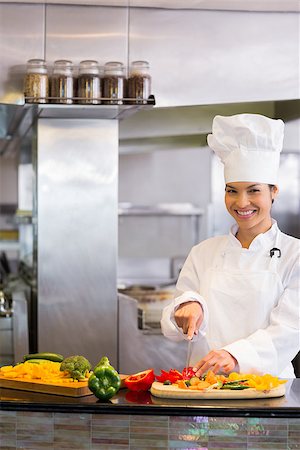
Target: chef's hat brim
255,166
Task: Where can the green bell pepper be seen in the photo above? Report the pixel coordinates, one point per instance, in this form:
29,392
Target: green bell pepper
105,380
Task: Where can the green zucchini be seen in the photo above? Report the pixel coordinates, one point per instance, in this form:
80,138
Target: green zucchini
38,361
55,357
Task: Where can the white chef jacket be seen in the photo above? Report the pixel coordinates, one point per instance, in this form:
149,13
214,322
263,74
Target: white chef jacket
261,327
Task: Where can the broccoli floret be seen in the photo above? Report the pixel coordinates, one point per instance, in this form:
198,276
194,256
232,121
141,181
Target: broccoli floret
77,366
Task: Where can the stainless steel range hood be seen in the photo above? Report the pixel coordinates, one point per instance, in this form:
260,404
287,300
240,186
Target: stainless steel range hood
229,5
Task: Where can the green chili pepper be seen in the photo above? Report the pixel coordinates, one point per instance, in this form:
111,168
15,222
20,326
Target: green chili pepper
235,387
236,381
105,380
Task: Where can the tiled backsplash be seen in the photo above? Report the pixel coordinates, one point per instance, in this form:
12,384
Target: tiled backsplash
39,430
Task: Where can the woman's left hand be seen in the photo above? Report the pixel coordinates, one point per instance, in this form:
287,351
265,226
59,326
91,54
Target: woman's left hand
216,361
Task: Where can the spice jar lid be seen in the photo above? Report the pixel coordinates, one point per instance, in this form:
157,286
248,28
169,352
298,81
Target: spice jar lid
114,68
36,66
89,66
63,66
139,68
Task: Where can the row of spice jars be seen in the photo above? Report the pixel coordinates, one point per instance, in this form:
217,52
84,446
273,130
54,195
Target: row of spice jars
91,86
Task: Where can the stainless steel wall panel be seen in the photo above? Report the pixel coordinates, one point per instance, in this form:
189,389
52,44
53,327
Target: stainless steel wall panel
20,326
77,237
196,56
86,32
203,57
21,38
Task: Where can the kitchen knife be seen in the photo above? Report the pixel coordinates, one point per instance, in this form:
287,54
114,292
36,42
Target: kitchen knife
188,356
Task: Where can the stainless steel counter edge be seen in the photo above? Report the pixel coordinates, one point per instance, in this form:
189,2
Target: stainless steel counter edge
126,402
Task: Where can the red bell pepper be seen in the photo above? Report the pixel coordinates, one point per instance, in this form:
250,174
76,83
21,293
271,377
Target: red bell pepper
141,397
188,373
173,375
141,381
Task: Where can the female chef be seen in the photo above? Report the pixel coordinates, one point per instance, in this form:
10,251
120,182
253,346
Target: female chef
237,296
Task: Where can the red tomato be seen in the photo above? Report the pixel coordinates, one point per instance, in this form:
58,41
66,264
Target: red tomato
140,381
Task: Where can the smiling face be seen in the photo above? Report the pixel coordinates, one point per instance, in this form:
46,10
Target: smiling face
250,205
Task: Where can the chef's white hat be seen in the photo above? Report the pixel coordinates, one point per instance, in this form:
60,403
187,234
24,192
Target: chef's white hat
249,146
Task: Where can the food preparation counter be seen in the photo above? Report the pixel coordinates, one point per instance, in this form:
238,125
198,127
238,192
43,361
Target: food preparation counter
128,402
142,421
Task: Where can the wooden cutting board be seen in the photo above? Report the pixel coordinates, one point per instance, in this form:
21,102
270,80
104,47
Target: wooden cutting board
79,389
172,391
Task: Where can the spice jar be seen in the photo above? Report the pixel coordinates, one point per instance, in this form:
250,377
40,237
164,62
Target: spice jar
139,82
89,85
114,82
62,83
36,84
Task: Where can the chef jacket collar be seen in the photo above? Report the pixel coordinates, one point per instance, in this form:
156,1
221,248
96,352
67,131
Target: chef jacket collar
261,241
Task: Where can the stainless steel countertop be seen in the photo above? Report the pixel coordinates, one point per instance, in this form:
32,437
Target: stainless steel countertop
143,403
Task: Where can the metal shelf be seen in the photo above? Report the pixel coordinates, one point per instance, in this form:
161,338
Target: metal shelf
161,209
9,245
89,111
178,210
16,120
103,110
23,217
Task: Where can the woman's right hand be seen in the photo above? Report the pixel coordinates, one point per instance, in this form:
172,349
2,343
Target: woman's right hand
189,317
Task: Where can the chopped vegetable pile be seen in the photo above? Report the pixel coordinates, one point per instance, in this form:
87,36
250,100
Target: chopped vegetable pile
234,381
46,371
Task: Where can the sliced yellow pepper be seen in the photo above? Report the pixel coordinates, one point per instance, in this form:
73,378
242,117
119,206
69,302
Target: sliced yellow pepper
48,372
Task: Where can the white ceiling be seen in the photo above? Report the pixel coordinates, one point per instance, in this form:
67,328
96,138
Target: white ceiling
235,5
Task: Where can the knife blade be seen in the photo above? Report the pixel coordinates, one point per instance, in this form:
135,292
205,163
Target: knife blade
189,351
